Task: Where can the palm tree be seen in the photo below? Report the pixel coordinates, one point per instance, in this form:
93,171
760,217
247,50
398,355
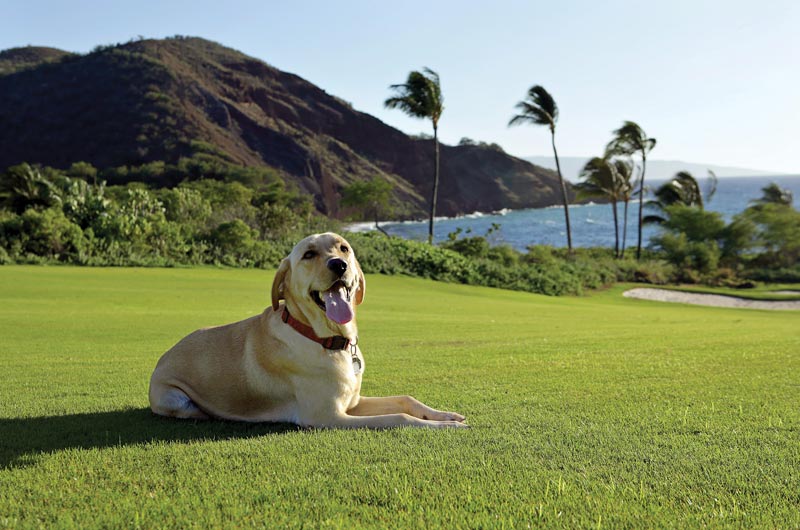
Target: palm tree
23,186
683,189
539,108
421,97
607,179
625,171
630,139
774,194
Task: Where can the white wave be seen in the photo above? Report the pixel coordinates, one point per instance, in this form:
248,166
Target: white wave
360,227
473,215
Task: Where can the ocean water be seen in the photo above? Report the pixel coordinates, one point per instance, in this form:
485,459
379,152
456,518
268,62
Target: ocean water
592,224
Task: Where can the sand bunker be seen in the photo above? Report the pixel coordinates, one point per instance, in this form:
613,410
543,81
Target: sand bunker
716,300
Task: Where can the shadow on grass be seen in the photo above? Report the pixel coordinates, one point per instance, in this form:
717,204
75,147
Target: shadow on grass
22,440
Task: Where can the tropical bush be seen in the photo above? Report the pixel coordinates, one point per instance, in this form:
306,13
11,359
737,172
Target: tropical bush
52,215
777,234
543,269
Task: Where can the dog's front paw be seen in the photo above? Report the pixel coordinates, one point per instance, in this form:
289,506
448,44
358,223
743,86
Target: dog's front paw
447,424
440,415
455,416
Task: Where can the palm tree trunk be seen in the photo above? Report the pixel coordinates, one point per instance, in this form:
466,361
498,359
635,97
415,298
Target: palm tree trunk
641,203
624,228
377,226
563,191
435,182
616,228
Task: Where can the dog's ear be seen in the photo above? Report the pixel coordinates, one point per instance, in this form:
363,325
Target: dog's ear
277,284
362,285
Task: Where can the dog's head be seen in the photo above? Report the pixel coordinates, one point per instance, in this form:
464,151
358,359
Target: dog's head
322,283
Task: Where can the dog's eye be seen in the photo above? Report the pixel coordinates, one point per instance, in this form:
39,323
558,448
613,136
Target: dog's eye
344,249
309,254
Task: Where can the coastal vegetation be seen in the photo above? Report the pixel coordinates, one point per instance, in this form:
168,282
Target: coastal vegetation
52,216
246,219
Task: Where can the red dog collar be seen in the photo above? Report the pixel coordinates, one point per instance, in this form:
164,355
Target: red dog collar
337,342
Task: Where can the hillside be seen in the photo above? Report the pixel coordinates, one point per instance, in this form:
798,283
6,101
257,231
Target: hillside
165,99
15,59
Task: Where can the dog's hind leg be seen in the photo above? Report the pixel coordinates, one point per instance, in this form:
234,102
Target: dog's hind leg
173,402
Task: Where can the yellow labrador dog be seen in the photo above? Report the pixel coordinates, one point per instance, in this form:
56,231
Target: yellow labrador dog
296,362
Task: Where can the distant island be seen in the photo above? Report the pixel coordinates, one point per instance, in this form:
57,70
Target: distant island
656,169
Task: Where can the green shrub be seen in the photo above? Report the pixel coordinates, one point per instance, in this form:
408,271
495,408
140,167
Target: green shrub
390,255
477,263
777,235
186,205
687,255
696,224
504,254
472,247
657,272
278,221
232,237
779,275
46,234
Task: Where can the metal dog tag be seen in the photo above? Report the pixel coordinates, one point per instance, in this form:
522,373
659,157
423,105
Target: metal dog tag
356,363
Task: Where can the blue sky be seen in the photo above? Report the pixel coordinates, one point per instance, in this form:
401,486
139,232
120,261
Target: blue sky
714,81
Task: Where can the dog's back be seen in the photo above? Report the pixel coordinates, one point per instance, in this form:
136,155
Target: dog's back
240,365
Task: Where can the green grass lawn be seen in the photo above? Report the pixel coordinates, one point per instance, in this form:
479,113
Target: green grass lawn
585,412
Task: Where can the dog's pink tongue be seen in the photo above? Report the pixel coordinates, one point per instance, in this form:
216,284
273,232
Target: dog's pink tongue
337,307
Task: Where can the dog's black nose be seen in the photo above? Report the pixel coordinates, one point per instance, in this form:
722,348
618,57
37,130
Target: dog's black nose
338,266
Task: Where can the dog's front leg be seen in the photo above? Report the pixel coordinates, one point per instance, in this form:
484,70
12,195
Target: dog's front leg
376,406
383,414
387,421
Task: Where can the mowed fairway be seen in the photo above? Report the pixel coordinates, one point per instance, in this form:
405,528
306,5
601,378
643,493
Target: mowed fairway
585,412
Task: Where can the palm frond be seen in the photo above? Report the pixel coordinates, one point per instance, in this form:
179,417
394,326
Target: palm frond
653,220
542,99
420,96
774,194
600,177
711,187
538,108
519,119
630,139
407,104
530,114
587,190
682,189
